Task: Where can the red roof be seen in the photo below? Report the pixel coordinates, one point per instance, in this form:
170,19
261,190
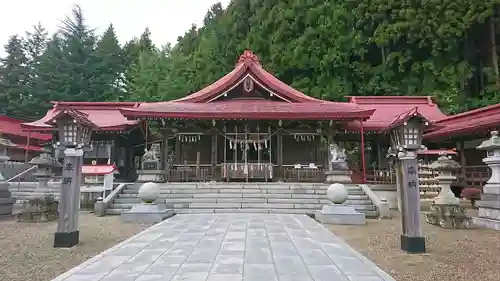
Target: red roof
390,108
293,104
29,147
477,120
11,126
105,115
247,109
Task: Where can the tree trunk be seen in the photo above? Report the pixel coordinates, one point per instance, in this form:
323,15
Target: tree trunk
493,51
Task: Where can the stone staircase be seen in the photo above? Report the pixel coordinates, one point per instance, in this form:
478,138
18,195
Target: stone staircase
301,198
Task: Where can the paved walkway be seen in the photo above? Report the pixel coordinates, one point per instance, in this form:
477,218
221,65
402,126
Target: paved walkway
230,247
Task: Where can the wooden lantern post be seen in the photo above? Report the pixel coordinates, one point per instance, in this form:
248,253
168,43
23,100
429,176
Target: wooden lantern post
406,140
74,135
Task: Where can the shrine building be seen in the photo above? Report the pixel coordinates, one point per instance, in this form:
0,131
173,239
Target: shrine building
250,126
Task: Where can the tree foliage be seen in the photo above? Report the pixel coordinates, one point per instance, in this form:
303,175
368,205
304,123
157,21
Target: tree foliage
326,49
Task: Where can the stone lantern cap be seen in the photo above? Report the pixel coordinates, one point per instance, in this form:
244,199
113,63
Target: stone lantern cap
6,143
492,143
445,163
46,160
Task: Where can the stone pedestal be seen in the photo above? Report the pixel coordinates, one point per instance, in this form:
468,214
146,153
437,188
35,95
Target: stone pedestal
340,214
148,211
336,212
6,200
448,216
339,173
151,176
489,205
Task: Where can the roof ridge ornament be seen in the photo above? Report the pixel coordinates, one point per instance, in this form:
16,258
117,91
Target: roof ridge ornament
249,56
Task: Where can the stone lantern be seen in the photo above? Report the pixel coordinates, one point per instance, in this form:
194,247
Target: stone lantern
4,144
45,170
445,211
6,200
489,205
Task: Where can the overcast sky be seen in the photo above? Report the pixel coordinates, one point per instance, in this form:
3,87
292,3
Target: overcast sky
166,19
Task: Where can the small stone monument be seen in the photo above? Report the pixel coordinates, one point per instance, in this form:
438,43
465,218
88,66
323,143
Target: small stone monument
445,211
338,170
151,166
489,205
336,212
6,200
148,211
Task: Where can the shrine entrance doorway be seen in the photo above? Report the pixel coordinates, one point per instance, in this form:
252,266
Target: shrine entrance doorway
248,156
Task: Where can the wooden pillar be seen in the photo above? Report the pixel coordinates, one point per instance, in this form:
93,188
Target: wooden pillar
164,145
279,154
463,161
214,154
363,160
27,148
177,156
330,141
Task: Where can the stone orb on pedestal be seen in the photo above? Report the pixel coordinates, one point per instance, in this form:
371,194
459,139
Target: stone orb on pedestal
337,193
149,192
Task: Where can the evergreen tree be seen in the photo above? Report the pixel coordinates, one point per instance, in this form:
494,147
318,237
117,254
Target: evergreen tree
14,73
111,64
35,45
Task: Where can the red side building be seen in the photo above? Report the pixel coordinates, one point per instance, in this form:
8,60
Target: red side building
117,140
28,144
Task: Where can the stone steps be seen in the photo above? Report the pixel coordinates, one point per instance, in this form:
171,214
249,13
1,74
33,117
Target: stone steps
294,198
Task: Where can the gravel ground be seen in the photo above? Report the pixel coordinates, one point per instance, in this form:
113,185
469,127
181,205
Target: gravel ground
26,251
455,255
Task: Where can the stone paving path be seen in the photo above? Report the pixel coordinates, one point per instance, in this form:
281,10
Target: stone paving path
230,247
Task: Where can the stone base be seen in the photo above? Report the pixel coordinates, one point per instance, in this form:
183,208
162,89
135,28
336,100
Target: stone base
413,245
488,215
448,216
486,223
147,213
338,176
151,176
6,201
66,239
340,214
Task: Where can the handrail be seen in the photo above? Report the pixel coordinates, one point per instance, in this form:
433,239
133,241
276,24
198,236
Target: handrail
21,173
381,203
102,204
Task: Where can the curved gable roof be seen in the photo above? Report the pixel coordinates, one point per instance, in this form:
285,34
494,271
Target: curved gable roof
248,63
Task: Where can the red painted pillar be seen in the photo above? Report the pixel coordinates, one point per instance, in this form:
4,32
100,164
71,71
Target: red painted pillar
363,160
